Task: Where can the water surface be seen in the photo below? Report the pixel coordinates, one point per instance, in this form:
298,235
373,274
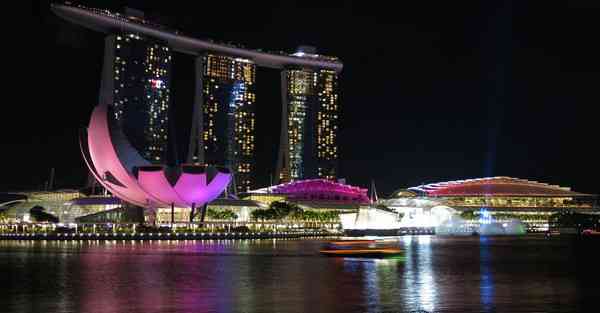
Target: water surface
436,274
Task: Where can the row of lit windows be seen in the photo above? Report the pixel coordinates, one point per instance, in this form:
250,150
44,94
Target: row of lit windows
228,69
222,73
145,66
307,88
327,121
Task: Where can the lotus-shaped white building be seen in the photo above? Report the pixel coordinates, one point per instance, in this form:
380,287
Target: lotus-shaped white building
121,170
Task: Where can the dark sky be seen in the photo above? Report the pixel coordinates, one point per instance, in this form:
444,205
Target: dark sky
430,91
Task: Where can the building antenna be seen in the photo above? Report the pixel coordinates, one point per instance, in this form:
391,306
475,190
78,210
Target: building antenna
51,180
373,195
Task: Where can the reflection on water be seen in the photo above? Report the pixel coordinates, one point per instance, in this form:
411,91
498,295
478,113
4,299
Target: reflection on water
486,286
418,273
379,281
436,274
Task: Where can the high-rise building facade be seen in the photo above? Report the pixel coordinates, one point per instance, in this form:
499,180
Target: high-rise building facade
301,99
310,124
136,83
327,123
229,116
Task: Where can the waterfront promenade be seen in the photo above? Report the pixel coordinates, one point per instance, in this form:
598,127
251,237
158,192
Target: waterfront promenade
167,235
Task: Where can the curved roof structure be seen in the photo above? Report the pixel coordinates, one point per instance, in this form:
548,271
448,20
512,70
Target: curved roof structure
106,21
403,193
319,190
10,199
151,188
494,186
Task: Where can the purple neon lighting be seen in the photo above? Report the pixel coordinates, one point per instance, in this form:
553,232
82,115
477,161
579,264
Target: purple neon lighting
151,188
322,189
215,187
187,184
157,185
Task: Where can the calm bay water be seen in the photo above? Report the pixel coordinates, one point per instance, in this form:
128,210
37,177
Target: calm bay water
436,274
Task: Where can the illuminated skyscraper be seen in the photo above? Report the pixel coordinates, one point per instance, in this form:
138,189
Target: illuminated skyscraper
327,124
136,79
310,123
136,82
228,116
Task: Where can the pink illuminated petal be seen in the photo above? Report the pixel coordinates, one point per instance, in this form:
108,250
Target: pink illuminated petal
155,183
192,188
105,159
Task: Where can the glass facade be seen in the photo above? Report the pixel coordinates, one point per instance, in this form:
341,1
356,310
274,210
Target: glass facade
301,97
516,202
327,124
141,93
229,116
312,124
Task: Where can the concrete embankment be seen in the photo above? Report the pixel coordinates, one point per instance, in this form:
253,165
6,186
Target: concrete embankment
162,236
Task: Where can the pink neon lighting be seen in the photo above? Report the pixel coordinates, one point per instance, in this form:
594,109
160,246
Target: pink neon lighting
186,187
151,188
159,187
105,159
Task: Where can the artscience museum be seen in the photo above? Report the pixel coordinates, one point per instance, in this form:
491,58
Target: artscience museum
118,167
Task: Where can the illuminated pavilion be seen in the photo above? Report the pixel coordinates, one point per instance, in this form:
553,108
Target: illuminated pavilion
314,194
504,197
497,193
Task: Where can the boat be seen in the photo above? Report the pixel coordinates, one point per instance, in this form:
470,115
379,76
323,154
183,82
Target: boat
359,248
590,232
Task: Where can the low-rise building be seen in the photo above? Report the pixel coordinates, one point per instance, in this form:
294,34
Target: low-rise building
503,197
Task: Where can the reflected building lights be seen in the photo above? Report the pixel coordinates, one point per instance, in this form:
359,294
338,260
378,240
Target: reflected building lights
418,274
486,284
371,288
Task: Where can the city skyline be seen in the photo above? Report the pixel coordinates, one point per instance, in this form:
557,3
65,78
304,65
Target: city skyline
503,126
218,156
136,83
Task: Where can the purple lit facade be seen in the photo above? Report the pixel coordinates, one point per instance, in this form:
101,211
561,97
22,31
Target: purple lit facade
113,166
494,186
321,190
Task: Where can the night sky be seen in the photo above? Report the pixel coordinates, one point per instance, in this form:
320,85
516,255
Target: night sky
430,91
